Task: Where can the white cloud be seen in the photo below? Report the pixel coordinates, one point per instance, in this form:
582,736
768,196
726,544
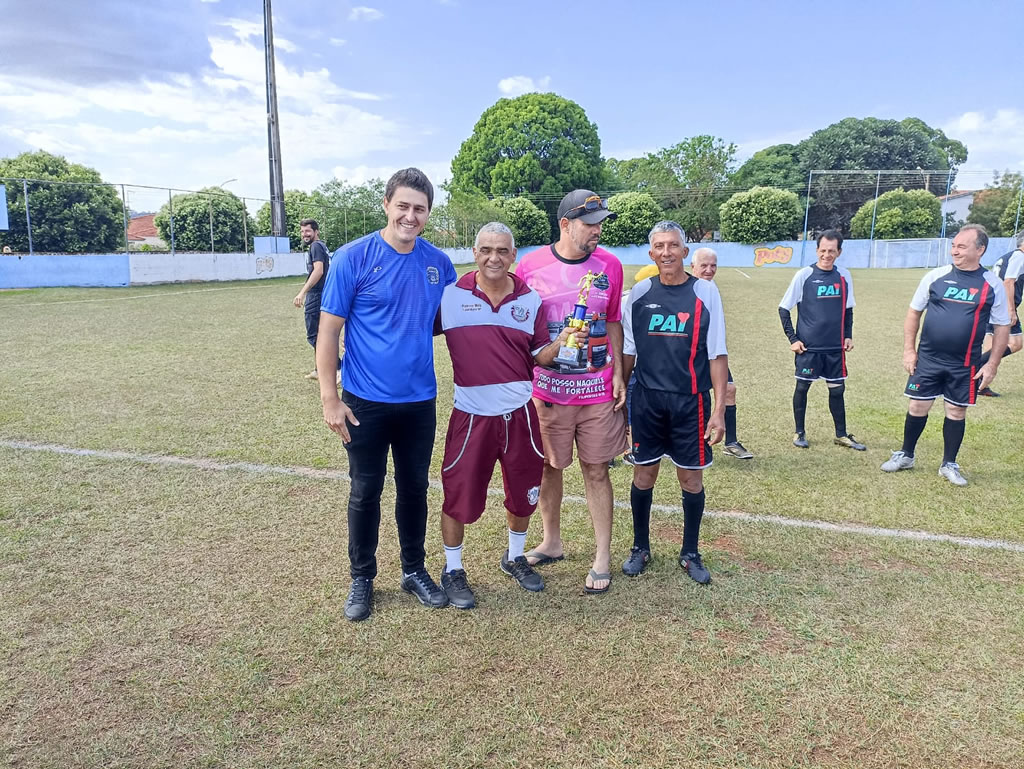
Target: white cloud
995,140
337,42
363,13
517,85
285,45
195,130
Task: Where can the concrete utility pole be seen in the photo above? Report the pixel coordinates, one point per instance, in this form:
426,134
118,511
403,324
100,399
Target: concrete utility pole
277,221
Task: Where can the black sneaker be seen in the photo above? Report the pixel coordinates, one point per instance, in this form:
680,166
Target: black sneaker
358,605
523,573
422,585
637,561
988,392
800,440
694,567
457,588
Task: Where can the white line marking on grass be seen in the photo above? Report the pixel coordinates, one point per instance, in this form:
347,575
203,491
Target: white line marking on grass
741,272
337,475
130,298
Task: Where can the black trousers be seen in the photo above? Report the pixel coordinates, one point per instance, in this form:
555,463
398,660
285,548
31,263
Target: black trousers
407,430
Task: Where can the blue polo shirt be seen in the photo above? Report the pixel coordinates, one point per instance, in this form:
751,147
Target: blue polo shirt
389,301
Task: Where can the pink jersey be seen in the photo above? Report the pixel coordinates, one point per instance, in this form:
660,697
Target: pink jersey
557,281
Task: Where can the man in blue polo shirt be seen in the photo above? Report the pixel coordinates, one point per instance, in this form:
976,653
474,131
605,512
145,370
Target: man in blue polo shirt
385,290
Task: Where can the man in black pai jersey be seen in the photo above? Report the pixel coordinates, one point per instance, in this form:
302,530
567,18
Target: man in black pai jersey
674,331
960,299
1009,269
823,335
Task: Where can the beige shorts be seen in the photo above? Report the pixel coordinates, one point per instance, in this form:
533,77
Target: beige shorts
598,431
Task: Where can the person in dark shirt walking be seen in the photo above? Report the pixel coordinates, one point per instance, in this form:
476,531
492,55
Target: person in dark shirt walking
823,335
317,262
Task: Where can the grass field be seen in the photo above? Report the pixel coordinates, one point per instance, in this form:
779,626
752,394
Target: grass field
157,615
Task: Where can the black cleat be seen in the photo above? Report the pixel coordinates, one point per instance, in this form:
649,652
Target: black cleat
457,588
694,567
800,441
359,604
988,392
637,562
522,572
849,442
422,585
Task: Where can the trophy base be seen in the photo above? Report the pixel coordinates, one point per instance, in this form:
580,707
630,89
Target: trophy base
571,357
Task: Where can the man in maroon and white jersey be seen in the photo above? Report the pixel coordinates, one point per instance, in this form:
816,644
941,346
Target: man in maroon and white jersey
496,333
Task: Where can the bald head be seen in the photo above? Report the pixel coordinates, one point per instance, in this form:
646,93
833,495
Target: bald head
705,263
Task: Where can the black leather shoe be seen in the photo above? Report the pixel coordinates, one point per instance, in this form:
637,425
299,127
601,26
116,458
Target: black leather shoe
422,585
520,570
457,588
359,603
800,441
637,562
694,567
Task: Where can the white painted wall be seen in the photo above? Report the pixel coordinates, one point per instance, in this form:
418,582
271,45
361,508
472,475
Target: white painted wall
180,268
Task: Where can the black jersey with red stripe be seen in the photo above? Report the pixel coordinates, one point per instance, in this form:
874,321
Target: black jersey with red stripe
959,306
674,331
822,299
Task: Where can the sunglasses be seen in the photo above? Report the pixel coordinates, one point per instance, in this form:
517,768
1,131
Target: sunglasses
593,203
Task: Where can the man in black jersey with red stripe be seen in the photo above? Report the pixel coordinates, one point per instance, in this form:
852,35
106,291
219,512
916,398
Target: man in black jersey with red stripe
823,335
1009,269
960,299
674,338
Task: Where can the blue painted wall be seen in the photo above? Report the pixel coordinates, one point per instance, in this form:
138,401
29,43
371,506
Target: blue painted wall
39,270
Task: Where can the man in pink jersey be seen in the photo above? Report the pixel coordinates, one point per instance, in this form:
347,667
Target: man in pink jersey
581,404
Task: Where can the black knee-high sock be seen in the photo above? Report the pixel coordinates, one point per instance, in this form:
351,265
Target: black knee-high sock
952,437
837,405
640,502
799,406
912,429
988,354
730,425
693,512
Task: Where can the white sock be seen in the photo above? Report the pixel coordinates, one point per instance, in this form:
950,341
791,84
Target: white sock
454,557
516,544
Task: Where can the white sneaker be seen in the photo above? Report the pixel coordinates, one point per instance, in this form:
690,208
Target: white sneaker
951,472
312,374
898,461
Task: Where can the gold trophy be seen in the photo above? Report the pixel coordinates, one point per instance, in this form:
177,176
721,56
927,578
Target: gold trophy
571,354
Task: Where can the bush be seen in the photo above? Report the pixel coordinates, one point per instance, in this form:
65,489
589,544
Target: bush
900,214
1009,222
638,212
192,214
761,215
529,224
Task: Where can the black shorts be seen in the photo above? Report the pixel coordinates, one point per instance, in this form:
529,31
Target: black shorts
932,378
312,307
669,424
730,380
830,366
1014,329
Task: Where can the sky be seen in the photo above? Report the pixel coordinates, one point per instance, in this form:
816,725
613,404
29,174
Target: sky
172,92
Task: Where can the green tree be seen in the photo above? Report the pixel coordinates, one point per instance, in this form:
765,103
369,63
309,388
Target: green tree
760,215
298,205
66,218
1012,219
637,213
454,223
900,214
193,212
349,211
538,145
687,179
775,166
528,223
990,203
868,144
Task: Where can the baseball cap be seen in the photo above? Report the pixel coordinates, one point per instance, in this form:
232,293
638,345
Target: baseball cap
585,206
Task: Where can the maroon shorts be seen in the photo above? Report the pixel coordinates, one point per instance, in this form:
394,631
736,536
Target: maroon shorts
473,444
